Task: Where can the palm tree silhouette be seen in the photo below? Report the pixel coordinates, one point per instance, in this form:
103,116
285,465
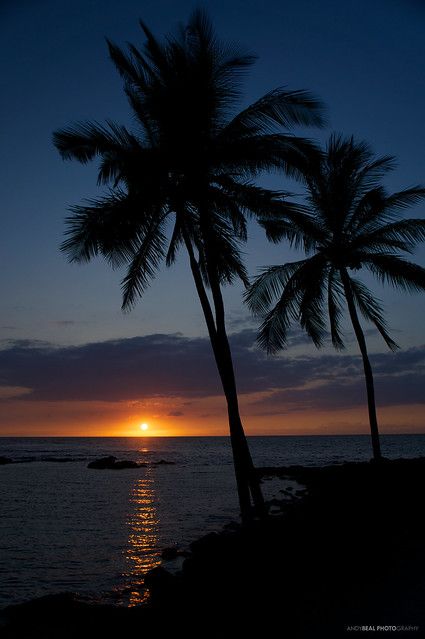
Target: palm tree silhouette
184,179
350,222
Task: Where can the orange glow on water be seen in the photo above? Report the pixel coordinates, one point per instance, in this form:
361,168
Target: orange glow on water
142,554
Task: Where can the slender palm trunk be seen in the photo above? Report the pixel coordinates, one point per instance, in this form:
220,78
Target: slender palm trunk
370,387
246,480
238,439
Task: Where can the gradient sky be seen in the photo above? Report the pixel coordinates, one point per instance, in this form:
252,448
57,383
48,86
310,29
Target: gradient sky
71,361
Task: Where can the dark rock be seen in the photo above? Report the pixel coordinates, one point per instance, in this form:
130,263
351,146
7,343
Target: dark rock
161,584
170,553
126,463
68,616
111,463
207,544
103,462
5,460
164,462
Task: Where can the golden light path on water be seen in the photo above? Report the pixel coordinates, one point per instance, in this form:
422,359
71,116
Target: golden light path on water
143,536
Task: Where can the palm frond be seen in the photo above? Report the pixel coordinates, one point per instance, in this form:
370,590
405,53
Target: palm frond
335,294
273,332
107,226
283,108
268,286
296,225
230,210
128,67
84,141
371,310
296,304
372,172
219,250
147,257
403,235
377,207
396,271
175,242
312,305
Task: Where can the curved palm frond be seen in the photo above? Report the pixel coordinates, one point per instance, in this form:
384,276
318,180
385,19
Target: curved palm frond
85,140
312,306
281,107
295,224
269,285
394,270
219,250
335,295
371,310
288,284
402,235
108,226
296,303
377,208
147,257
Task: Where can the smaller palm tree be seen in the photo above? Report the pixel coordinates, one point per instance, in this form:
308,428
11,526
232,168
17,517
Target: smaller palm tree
349,223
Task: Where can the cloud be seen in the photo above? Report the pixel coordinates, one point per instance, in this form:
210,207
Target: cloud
64,323
12,392
177,366
175,413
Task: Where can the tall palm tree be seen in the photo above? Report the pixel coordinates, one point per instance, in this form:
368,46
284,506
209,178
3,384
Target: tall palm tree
349,223
183,178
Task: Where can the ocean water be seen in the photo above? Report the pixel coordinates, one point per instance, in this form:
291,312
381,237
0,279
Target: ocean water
64,527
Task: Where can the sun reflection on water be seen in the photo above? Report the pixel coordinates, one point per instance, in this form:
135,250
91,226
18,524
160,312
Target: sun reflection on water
142,551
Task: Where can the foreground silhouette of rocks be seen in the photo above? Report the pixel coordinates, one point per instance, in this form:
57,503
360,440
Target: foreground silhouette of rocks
349,552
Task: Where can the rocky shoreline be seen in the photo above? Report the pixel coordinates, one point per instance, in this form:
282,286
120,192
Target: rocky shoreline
346,549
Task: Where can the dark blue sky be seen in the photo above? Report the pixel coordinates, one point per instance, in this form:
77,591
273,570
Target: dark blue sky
364,58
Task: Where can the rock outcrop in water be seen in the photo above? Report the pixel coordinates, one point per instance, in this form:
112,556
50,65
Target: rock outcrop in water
111,463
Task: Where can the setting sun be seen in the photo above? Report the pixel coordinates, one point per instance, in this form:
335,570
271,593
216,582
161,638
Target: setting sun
144,426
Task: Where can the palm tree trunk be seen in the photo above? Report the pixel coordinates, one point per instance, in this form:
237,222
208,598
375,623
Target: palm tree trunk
241,455
239,439
370,387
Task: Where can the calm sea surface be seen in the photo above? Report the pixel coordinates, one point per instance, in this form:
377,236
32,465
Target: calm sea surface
64,527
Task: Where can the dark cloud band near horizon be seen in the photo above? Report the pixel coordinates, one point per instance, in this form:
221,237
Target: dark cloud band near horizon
171,365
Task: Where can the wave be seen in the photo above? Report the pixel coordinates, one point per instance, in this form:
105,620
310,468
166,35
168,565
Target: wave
39,458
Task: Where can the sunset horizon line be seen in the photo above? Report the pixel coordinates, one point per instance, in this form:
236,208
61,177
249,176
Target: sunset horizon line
401,434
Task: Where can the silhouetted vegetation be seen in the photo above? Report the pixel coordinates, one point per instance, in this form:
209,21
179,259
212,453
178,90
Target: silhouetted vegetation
349,223
183,179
